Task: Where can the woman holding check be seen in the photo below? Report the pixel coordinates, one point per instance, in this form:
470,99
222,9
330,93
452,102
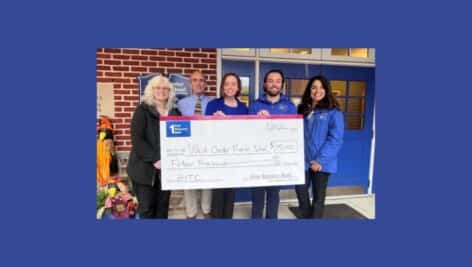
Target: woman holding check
222,203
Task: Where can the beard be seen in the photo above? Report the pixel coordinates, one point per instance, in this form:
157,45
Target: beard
272,93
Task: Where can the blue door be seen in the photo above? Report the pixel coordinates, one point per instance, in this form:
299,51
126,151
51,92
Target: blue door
355,89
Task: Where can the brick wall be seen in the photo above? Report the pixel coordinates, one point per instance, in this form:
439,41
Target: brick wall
120,67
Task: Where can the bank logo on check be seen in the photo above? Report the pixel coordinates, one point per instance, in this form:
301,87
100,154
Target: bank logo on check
178,128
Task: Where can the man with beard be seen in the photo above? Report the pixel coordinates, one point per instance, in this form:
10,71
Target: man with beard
273,102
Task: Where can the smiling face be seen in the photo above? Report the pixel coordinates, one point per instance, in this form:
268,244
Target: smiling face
230,86
318,92
160,92
197,82
273,84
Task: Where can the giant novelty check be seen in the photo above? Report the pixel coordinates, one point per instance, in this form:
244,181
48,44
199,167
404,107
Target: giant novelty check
231,151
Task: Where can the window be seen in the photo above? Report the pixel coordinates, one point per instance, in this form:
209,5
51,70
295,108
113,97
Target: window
249,52
351,97
244,95
350,52
295,89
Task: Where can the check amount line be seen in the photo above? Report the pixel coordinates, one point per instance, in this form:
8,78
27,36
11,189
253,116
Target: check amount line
229,154
220,167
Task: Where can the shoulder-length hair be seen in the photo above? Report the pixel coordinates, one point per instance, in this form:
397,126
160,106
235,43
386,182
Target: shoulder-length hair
328,101
148,97
222,91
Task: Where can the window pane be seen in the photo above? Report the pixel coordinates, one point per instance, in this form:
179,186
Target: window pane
340,51
338,87
355,105
297,86
342,103
280,50
302,51
241,49
357,88
354,122
359,52
244,85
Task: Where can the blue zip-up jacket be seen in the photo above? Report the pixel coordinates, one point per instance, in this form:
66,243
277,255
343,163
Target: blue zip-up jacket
324,131
283,106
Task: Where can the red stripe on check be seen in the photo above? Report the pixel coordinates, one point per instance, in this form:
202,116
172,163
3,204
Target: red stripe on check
230,117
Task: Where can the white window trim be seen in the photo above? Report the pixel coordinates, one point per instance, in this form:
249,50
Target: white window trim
232,52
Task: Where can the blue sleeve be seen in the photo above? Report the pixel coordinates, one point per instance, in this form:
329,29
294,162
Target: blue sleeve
210,108
334,141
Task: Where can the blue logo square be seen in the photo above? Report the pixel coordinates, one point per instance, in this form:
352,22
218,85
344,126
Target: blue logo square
178,128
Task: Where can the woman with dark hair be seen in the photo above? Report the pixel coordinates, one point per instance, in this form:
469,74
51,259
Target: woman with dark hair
323,131
222,202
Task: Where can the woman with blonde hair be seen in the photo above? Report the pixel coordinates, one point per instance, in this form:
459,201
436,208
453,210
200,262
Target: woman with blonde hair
145,159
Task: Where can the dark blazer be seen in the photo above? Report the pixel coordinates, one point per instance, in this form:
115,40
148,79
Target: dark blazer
145,139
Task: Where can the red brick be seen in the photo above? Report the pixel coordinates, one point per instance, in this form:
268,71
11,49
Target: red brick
99,73
199,55
122,103
133,98
131,74
112,62
139,57
148,63
200,66
101,55
156,69
204,60
104,80
103,68
112,50
141,69
120,57
192,49
174,59
129,109
173,70
133,63
175,49
120,80
166,53
183,54
157,58
190,59
122,92
148,52
130,51
113,74
166,64
130,86
122,115
212,55
99,61
121,68
213,50
183,65
118,97
99,49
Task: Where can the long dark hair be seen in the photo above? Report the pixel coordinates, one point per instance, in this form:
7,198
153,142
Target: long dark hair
328,102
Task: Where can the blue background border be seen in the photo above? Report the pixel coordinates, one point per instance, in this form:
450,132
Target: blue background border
48,63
